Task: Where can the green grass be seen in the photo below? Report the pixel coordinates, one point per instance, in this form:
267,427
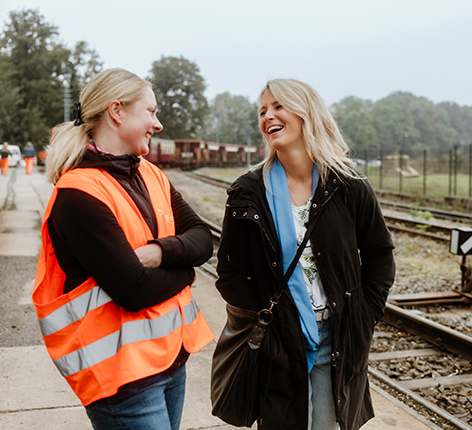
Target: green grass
437,185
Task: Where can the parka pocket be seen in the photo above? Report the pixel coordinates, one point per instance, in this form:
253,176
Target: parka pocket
360,327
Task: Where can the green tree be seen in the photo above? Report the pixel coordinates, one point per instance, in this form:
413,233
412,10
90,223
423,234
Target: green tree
33,66
433,125
460,118
393,119
179,90
84,62
354,116
232,119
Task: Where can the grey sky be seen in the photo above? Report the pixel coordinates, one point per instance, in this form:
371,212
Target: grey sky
365,48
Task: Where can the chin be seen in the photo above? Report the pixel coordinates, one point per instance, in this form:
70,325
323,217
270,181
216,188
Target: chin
141,151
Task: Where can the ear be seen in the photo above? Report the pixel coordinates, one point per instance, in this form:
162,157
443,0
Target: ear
115,110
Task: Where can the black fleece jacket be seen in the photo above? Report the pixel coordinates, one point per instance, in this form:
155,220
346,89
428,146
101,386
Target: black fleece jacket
88,240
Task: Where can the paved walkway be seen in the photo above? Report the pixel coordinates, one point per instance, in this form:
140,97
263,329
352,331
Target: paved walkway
33,396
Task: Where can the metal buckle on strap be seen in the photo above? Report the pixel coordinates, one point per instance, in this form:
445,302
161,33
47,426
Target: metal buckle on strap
322,315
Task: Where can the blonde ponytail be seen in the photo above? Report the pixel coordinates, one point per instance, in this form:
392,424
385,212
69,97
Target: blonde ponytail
66,149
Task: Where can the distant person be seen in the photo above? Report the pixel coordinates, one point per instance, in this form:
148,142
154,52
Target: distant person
28,156
4,153
119,246
42,157
314,358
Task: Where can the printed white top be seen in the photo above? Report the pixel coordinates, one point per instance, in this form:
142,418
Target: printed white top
307,261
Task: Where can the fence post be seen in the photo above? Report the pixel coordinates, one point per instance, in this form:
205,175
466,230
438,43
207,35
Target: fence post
470,170
455,169
425,154
381,169
450,171
400,164
366,158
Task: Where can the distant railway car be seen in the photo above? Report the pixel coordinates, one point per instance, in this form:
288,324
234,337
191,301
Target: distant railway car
161,152
188,153
245,151
214,153
231,155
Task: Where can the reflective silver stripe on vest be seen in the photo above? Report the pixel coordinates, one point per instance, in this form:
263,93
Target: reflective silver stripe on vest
108,346
190,312
73,311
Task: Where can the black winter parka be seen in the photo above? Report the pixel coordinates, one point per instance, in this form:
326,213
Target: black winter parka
354,255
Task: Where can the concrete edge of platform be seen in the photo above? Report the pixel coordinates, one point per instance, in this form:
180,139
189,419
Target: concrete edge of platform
404,407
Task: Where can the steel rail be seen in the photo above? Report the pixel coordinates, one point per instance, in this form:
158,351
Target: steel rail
217,182
417,398
437,334
437,213
417,232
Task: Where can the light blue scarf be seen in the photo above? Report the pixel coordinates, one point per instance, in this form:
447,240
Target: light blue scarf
278,196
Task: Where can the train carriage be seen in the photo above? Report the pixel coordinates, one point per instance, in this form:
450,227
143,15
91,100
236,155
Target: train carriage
161,152
188,153
214,153
231,155
191,154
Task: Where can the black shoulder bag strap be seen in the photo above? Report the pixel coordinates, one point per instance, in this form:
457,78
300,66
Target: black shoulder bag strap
265,316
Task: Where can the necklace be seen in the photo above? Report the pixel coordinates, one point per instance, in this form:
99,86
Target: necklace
293,198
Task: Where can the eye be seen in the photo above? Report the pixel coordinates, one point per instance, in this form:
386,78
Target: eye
261,114
279,107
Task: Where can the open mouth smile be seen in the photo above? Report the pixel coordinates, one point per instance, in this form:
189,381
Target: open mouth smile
274,129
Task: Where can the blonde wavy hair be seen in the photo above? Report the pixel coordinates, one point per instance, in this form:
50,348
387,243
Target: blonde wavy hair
324,142
69,142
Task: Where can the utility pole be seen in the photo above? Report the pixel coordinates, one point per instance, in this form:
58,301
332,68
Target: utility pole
67,94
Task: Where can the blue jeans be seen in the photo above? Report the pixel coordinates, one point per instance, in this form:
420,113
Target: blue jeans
148,404
321,403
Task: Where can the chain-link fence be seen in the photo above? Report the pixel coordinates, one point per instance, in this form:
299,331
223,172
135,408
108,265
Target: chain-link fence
420,172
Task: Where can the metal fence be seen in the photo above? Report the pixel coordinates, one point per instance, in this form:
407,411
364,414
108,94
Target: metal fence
420,172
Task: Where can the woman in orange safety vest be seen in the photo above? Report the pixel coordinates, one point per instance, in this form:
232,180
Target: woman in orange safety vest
119,246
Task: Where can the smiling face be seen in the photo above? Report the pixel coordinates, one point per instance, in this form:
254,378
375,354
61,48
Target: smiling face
281,128
139,123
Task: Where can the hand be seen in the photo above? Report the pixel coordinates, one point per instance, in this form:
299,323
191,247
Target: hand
150,255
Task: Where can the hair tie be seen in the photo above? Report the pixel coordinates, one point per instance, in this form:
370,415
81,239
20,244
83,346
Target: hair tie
77,114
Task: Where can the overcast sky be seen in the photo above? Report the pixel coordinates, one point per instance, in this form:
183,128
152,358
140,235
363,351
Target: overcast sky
364,48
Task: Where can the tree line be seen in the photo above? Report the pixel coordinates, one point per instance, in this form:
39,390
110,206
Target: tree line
403,122
36,68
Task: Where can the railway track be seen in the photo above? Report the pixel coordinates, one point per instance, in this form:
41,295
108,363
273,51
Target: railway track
436,213
418,227
212,180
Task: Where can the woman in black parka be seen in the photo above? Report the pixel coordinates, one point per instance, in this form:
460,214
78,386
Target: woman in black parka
313,362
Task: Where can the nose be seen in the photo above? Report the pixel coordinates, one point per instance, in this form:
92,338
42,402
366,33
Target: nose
157,126
269,114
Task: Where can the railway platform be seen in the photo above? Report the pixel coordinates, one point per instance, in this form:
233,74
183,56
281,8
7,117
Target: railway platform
33,396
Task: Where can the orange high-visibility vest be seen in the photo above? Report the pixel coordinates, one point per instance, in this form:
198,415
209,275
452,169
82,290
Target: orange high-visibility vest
97,345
